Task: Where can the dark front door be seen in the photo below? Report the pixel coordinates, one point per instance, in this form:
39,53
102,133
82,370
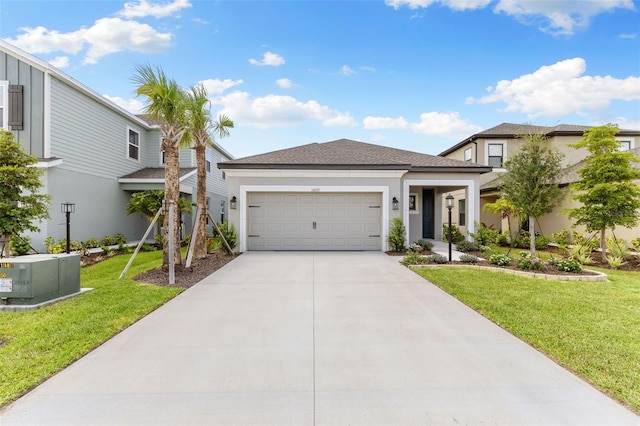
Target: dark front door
428,213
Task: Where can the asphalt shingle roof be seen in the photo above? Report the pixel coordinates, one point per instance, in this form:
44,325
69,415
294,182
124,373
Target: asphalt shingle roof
349,154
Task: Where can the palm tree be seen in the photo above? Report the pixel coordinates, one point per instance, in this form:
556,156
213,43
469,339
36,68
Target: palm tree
165,104
505,209
200,128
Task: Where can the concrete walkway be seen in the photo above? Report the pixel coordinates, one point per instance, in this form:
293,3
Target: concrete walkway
315,338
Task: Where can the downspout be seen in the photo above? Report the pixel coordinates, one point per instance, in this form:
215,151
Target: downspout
476,150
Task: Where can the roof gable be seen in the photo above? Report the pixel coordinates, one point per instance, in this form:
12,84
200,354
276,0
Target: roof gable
350,154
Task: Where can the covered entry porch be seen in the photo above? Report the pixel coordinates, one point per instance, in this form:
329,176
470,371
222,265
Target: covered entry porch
424,210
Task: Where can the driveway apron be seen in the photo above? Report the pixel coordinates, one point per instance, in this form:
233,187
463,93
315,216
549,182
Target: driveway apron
315,338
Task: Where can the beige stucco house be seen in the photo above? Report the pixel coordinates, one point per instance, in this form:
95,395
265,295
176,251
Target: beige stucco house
342,195
494,146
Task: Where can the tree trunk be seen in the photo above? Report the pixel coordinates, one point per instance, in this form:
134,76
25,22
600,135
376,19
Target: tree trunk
201,238
603,246
172,193
6,248
532,235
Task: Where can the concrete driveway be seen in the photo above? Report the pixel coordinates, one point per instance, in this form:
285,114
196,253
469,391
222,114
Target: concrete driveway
315,338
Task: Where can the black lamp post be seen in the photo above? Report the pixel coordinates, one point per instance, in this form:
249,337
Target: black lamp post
68,208
449,199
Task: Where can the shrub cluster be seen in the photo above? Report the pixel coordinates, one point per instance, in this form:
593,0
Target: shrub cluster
500,259
530,263
466,246
468,258
566,265
426,245
456,235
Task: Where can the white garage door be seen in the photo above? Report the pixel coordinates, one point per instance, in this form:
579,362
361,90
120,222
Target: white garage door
313,221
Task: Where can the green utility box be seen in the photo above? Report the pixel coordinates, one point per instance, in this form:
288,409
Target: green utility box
32,279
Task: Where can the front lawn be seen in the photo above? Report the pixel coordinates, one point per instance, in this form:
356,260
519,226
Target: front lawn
591,328
35,345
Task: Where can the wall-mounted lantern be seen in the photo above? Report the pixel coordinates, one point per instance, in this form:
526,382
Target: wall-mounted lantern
68,208
233,203
395,204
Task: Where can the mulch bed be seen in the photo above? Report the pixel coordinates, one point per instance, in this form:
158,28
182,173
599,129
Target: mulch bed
185,277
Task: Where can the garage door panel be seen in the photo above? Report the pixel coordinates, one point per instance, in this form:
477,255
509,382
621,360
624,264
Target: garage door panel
285,221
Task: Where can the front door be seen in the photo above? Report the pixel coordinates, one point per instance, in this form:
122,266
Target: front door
428,210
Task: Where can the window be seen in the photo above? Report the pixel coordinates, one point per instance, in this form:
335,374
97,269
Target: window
207,164
133,150
467,154
495,155
462,213
4,110
224,176
625,145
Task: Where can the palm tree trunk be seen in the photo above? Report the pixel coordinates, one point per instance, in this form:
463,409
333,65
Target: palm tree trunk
201,238
172,193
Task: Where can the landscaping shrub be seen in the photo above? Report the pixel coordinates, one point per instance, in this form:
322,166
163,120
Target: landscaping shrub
635,243
500,259
436,258
108,240
502,240
542,242
618,248
561,237
229,233
396,235
119,239
468,258
414,258
466,246
92,243
568,265
426,245
615,261
590,242
530,263
484,236
20,245
414,248
456,235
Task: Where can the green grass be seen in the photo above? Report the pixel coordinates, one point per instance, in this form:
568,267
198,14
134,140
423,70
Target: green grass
39,343
593,329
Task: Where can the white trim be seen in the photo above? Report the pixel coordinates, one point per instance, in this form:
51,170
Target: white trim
49,164
321,173
470,150
244,189
4,88
161,180
473,199
47,116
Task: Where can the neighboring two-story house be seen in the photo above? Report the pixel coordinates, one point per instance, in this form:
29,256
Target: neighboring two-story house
494,146
94,153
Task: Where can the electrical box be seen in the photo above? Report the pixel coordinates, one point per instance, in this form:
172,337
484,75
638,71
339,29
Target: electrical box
32,279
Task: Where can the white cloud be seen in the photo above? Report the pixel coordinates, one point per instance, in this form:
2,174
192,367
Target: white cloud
268,59
376,123
110,35
346,70
561,17
60,62
554,17
370,69
277,110
629,36
448,125
624,123
560,89
285,83
132,105
144,8
217,86
105,36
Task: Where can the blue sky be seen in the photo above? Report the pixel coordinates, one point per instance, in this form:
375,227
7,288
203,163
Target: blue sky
412,74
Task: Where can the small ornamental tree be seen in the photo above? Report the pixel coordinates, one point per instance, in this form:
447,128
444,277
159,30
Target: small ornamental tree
531,184
606,189
20,202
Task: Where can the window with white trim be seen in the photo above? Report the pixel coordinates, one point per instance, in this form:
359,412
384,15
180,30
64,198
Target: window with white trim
495,155
4,110
467,154
207,164
133,145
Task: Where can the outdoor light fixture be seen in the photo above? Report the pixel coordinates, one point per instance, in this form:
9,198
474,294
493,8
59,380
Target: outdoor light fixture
233,203
68,208
449,199
394,203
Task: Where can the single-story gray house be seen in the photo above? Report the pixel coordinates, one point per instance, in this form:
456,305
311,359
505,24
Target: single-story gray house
342,195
